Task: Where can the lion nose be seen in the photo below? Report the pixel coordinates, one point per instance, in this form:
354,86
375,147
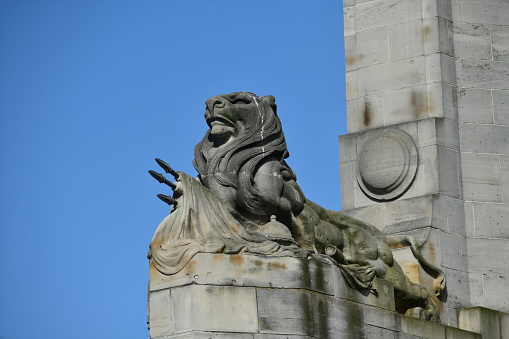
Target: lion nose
213,103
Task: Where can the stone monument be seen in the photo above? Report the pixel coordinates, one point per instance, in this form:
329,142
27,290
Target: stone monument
420,249
427,149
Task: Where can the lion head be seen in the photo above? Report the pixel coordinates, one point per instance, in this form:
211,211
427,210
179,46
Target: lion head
244,143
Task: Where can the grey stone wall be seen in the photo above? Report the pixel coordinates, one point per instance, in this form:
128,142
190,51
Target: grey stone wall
437,70
254,297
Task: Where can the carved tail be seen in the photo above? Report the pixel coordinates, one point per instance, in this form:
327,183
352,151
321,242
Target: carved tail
439,283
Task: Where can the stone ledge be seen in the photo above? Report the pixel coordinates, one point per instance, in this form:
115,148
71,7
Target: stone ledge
245,270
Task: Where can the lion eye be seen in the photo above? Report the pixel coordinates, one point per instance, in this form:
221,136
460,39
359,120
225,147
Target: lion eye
242,101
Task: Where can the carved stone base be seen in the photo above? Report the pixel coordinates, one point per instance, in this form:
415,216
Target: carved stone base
249,296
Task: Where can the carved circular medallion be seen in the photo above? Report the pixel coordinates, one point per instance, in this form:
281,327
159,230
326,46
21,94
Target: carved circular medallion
387,164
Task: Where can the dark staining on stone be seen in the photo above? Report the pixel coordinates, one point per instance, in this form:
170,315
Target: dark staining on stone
367,114
418,103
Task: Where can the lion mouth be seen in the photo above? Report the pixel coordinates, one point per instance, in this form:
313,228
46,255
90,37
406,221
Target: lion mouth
220,127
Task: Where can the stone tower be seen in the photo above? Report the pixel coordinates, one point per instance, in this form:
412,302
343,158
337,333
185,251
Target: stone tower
427,150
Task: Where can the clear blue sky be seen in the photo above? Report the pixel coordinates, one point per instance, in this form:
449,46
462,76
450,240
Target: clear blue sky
91,92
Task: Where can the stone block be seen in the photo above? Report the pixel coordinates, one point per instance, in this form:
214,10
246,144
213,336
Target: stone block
352,85
448,214
408,214
403,105
491,220
440,67
301,312
434,8
373,332
348,180
492,12
479,320
483,74
481,249
504,169
476,289
469,219
214,308
484,138
161,322
495,290
379,317
481,179
438,36
376,14
351,53
369,114
406,40
448,133
441,101
500,41
249,270
472,41
426,133
384,297
504,325
421,328
458,291
474,105
391,76
347,147
456,333
232,336
501,107
449,172
452,251
372,47
370,214
349,20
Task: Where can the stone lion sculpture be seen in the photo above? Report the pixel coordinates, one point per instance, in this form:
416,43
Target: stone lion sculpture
246,200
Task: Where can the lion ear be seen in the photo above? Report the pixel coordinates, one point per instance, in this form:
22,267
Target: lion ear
272,102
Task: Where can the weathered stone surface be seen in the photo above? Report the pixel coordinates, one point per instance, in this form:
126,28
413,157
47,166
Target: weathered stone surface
301,312
372,47
449,172
500,41
448,214
391,76
214,308
484,138
492,12
455,333
504,325
250,270
480,320
483,74
440,67
421,328
406,40
504,169
493,284
481,180
491,220
501,107
475,105
405,105
481,249
472,41
373,332
160,314
376,14
434,8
